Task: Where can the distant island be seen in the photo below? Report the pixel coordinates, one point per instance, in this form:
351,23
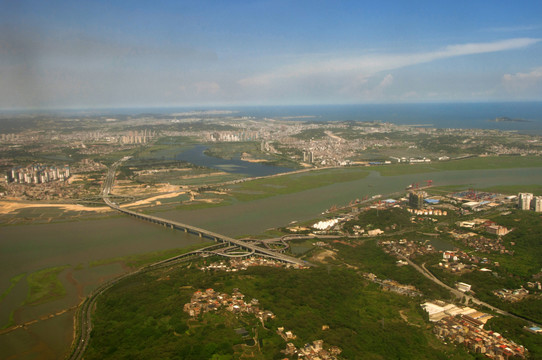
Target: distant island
507,119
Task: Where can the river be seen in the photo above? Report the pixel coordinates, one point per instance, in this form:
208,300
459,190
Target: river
27,248
256,216
75,244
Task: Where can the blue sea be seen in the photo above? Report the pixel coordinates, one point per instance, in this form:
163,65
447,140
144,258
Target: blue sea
449,115
444,115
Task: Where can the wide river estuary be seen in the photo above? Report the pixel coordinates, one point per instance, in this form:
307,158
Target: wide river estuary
28,248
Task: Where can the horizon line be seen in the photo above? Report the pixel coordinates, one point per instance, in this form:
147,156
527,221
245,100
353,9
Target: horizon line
240,105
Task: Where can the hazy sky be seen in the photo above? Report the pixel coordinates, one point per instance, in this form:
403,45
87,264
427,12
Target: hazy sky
56,54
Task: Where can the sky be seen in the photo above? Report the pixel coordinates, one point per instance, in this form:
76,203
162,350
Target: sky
106,54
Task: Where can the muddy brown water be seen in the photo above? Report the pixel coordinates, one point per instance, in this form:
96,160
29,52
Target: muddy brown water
29,248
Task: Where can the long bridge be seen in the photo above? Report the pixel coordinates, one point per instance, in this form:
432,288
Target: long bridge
249,247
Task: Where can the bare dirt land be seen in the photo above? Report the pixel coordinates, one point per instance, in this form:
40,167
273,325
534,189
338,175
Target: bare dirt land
155,199
7,207
247,157
323,255
127,188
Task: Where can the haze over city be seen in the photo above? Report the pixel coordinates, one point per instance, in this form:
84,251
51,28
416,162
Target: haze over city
96,54
303,179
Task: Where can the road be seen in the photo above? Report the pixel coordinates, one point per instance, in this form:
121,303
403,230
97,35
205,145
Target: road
108,185
468,298
84,315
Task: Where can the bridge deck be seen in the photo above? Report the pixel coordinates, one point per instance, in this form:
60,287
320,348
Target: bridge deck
108,184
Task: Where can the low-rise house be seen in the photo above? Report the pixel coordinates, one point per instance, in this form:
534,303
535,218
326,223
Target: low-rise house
497,230
463,287
469,331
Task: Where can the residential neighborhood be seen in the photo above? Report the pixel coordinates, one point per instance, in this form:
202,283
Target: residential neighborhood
233,264
211,300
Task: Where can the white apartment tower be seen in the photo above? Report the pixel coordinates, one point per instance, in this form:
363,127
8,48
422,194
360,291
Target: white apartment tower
537,203
308,156
525,201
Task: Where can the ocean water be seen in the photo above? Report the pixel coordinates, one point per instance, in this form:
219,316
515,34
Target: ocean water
443,115
449,115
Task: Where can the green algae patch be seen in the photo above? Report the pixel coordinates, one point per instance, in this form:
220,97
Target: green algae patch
13,281
45,286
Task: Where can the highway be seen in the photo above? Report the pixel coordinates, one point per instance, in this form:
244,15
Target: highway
252,248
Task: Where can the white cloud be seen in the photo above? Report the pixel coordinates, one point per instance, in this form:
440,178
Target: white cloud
481,48
522,81
536,74
409,95
377,92
387,81
371,64
206,87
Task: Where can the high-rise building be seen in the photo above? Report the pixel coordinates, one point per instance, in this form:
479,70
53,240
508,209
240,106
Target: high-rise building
308,157
537,203
37,173
524,202
415,199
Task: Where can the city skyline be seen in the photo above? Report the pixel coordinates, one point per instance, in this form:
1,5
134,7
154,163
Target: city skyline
135,54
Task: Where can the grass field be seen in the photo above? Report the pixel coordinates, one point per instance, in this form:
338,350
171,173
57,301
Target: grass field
285,184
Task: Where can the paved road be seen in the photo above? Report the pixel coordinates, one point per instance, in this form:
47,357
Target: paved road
423,270
108,185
